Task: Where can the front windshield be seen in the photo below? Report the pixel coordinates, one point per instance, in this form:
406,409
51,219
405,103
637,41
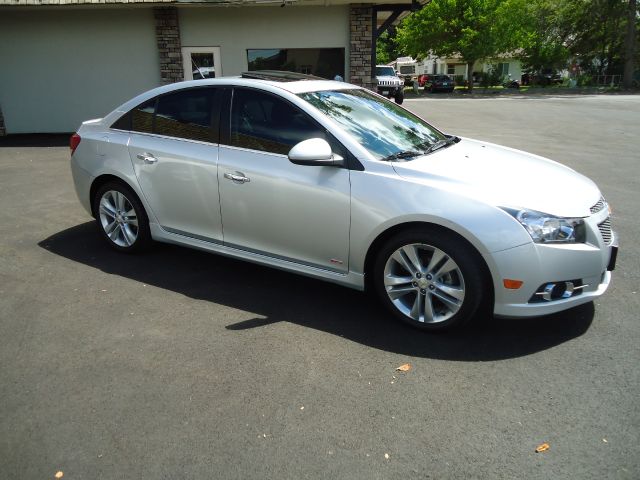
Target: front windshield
385,71
382,127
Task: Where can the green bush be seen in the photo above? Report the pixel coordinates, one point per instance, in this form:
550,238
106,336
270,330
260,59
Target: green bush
585,80
490,78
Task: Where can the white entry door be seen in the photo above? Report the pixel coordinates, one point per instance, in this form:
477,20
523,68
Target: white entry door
201,62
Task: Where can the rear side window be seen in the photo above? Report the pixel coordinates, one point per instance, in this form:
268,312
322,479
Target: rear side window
123,123
186,114
142,117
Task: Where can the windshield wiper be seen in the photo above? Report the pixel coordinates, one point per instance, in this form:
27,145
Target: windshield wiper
426,148
402,155
450,140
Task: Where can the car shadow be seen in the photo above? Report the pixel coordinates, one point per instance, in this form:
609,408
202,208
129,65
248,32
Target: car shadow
277,296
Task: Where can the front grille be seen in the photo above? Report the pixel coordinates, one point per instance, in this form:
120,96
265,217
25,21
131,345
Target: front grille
605,230
599,206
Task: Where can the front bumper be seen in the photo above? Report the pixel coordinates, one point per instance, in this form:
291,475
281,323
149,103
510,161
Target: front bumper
389,89
586,266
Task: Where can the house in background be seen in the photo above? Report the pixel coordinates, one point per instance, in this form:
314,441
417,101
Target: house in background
456,67
65,61
410,68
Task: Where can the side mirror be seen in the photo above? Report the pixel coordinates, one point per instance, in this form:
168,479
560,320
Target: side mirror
315,151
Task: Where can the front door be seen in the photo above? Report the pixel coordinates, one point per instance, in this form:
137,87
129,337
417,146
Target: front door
268,204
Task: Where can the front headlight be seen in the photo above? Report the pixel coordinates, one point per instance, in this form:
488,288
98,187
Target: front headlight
545,228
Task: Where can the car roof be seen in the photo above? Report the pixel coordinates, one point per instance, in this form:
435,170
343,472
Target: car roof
291,82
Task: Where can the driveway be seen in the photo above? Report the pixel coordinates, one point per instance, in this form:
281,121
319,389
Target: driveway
180,364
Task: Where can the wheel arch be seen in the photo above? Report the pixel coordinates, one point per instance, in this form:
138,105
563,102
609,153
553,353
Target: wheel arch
101,180
384,236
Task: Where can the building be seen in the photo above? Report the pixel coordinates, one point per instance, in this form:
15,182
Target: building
65,61
456,67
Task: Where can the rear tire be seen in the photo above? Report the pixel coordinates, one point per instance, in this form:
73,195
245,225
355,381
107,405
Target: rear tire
121,218
429,279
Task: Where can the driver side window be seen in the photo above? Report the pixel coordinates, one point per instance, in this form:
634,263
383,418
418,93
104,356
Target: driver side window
260,121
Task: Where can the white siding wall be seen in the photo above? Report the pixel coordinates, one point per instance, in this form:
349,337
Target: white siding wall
58,68
235,30
515,67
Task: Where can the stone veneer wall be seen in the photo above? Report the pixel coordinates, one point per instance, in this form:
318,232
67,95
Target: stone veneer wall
168,39
360,32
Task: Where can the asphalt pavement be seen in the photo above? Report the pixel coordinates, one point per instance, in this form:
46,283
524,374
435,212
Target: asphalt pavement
179,364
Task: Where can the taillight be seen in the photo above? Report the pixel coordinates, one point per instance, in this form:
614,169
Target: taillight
74,142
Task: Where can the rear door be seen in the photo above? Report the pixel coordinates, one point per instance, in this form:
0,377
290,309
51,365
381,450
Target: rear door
174,150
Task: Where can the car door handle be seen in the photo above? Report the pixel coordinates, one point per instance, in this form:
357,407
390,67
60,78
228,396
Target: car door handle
147,158
237,177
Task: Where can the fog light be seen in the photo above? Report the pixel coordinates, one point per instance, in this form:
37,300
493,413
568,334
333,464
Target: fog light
558,290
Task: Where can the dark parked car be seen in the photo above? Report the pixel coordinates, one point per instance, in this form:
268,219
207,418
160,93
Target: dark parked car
435,83
544,77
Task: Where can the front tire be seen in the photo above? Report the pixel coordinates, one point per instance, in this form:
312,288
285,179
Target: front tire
431,280
399,97
121,218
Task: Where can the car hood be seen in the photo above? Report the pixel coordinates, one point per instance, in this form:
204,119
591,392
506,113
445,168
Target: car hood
504,177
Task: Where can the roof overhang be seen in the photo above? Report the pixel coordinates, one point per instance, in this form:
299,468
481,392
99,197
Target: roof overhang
216,3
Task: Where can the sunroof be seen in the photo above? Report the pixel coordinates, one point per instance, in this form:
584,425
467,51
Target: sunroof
279,76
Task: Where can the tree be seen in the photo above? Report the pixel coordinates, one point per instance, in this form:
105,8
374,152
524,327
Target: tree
544,34
473,29
597,38
386,49
630,44
592,32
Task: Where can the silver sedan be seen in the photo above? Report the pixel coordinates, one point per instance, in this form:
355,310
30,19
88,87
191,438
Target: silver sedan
329,180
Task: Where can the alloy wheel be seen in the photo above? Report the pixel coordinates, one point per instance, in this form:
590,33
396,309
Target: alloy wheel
118,218
424,283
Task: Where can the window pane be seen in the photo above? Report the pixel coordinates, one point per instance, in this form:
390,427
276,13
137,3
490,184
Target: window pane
322,62
142,117
263,122
186,114
385,71
123,123
380,126
203,65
